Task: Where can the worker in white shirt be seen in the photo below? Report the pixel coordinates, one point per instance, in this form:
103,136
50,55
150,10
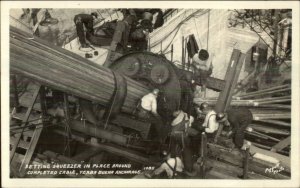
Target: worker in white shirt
202,64
147,109
210,124
149,102
173,167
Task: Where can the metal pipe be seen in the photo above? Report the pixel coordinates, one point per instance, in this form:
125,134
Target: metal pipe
98,132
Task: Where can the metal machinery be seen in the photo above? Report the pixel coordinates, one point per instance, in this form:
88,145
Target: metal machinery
95,101
96,105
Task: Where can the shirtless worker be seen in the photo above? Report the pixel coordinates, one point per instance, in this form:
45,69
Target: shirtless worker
147,109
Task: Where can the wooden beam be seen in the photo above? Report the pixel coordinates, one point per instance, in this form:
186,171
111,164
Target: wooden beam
235,157
26,117
282,144
231,77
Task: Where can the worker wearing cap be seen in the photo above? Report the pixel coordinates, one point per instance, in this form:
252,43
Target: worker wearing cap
88,21
238,119
202,67
172,165
210,124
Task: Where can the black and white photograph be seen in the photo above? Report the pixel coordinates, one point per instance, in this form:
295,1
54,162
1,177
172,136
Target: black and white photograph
152,93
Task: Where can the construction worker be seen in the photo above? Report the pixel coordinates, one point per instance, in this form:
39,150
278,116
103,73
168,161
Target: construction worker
210,124
172,165
180,141
88,21
181,128
147,109
238,120
202,68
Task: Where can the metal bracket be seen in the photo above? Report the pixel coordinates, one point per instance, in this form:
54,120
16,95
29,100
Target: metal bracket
118,98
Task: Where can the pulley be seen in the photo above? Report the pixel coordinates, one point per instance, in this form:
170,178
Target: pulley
159,73
131,67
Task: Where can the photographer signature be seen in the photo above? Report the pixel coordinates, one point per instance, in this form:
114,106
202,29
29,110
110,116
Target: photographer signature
275,169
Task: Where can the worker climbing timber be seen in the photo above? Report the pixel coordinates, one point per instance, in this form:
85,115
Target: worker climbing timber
86,20
238,120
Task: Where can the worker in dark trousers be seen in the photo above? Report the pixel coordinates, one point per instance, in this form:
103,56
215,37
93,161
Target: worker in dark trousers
238,119
180,138
210,124
147,109
86,20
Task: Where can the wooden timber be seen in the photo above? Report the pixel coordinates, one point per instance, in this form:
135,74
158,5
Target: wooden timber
235,157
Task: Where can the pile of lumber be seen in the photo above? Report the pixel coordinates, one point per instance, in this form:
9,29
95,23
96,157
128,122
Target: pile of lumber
271,110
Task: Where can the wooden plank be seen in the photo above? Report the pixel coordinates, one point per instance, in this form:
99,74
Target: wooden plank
235,157
232,170
31,149
282,144
231,77
276,122
36,134
285,161
34,97
22,143
269,130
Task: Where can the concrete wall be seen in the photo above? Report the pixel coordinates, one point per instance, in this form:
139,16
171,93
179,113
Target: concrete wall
211,32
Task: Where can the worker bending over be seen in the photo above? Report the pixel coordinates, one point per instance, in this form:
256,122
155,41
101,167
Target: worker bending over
86,20
147,109
172,165
238,120
202,64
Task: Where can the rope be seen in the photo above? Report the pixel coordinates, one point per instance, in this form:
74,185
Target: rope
105,125
207,30
178,26
67,127
197,33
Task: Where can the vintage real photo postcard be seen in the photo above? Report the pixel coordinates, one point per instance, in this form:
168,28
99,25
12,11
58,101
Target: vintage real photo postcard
150,94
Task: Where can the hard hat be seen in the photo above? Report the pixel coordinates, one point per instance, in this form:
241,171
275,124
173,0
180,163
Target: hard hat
176,113
204,106
164,153
155,91
220,117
